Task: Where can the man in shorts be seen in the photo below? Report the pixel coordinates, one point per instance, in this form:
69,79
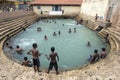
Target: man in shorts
53,61
35,54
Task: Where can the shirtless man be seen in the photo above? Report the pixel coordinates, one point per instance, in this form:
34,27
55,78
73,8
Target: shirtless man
53,61
95,57
103,53
35,54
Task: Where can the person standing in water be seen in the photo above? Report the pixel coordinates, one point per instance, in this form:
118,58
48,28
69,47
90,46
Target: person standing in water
53,61
35,54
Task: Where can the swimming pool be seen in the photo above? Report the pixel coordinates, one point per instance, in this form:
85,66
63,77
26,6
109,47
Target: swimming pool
71,47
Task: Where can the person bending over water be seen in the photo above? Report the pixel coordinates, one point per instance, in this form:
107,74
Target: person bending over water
53,61
35,54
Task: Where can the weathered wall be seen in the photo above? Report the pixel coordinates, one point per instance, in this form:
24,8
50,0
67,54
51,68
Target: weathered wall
93,7
106,9
115,17
71,9
36,10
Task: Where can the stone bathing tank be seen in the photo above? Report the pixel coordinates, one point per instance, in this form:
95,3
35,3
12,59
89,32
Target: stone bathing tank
71,47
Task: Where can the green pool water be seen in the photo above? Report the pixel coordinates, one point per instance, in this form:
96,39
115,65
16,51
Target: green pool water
71,47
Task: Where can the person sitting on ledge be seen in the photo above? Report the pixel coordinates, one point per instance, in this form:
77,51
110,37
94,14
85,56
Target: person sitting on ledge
103,53
106,38
95,57
26,62
90,58
19,50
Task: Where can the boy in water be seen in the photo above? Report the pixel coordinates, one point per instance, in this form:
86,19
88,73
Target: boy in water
19,50
53,61
26,62
35,54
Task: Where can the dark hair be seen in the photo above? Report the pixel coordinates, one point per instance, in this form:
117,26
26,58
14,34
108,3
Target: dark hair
7,43
103,49
25,58
52,49
17,46
34,45
95,51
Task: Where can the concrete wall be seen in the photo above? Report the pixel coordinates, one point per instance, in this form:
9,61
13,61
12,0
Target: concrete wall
71,9
45,9
67,9
115,16
93,7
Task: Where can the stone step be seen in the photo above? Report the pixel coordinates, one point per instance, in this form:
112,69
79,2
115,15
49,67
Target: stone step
116,41
114,29
11,20
11,26
102,33
13,29
9,33
16,20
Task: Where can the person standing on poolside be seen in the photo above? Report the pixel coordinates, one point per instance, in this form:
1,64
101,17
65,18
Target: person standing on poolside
53,61
35,54
96,17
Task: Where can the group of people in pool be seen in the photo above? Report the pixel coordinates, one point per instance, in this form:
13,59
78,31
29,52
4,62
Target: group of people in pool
54,33
96,56
53,57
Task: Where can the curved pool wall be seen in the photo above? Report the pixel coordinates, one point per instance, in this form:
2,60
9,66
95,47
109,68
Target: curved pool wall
71,47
